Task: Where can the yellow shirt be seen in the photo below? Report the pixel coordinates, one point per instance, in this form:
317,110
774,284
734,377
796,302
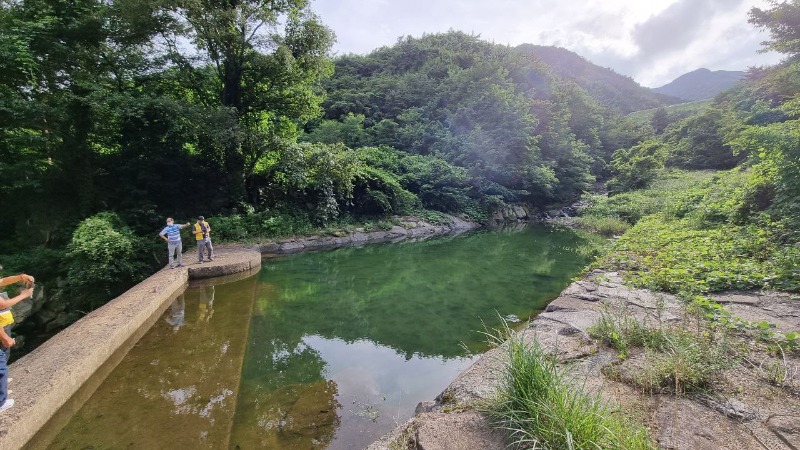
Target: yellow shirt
6,318
198,232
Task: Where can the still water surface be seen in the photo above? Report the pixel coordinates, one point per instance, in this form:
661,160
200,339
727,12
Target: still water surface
322,350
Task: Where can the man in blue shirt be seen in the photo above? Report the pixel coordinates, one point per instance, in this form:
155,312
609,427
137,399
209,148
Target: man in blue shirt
172,235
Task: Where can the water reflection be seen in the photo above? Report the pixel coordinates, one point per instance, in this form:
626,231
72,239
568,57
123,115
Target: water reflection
323,350
178,386
206,304
177,313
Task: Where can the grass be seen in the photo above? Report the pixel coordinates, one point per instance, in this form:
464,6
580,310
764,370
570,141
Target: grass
676,360
606,226
541,407
688,362
622,333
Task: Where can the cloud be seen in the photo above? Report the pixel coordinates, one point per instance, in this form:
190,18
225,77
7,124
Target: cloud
652,41
677,26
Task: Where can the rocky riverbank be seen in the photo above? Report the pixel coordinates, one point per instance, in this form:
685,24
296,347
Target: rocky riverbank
407,227
753,403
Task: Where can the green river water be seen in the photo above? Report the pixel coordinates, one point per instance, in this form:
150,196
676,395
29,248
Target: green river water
322,350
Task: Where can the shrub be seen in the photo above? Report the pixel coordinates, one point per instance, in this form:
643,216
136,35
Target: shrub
103,259
607,226
259,225
638,166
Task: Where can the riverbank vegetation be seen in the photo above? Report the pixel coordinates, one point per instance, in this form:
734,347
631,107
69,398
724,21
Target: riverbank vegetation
540,407
708,203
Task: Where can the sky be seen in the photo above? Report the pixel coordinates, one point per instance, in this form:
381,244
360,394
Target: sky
652,41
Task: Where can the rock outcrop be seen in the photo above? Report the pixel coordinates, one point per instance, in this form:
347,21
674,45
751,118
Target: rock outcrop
743,410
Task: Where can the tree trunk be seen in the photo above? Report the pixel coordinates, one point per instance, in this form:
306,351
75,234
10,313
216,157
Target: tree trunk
234,160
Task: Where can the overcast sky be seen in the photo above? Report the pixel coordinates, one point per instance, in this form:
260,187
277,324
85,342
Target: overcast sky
653,41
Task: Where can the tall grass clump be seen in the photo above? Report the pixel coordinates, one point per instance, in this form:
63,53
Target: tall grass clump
622,333
606,226
541,407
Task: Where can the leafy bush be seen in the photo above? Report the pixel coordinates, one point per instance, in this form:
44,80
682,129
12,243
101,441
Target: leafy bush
636,167
380,192
103,259
255,225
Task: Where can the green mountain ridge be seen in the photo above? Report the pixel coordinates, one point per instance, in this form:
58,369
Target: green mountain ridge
604,84
701,84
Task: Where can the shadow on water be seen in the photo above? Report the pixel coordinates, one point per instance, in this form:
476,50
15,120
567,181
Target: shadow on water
323,350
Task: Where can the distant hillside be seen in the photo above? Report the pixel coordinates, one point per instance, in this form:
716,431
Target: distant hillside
676,112
701,84
523,129
605,85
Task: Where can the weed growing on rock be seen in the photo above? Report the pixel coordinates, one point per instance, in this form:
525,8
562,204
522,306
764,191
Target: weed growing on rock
541,407
686,362
676,359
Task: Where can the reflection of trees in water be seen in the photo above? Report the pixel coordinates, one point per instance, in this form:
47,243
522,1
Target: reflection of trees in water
294,416
421,298
284,400
177,386
424,298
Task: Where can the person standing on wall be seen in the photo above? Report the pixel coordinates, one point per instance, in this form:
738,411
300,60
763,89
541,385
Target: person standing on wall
171,234
6,341
202,233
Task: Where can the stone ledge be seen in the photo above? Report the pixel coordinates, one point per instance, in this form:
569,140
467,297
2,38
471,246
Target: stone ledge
739,416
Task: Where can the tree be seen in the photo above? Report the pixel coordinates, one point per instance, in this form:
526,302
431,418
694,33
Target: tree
783,23
660,120
637,166
699,141
269,57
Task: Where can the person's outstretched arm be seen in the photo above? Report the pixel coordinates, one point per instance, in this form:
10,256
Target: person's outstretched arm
8,303
5,281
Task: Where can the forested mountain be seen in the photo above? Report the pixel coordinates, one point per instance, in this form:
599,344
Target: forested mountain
608,87
701,84
522,131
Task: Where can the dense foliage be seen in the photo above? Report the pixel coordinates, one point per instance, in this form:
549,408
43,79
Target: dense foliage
116,114
738,229
152,109
521,130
